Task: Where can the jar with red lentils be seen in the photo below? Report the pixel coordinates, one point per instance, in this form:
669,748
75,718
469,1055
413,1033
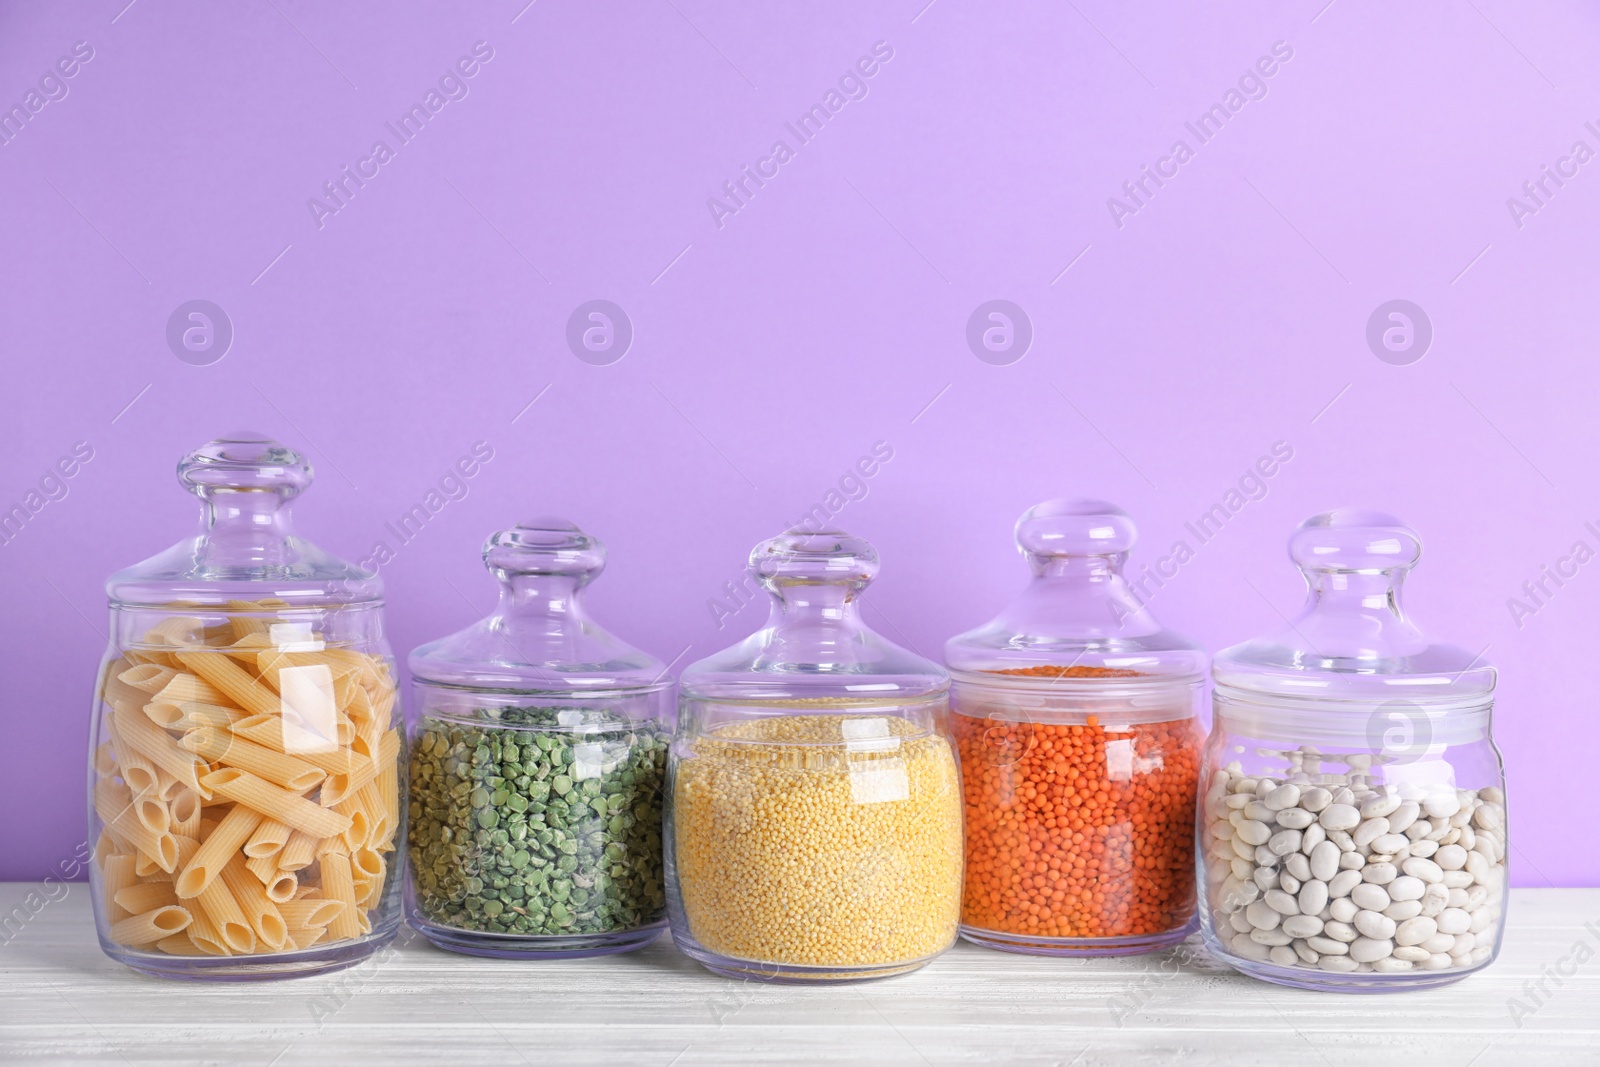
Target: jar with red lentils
1073,714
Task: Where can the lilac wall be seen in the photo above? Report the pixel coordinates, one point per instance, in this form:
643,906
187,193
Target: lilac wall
1175,338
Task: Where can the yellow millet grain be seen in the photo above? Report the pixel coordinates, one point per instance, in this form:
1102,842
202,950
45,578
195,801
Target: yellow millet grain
832,853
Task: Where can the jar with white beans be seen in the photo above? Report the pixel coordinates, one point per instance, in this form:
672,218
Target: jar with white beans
1352,823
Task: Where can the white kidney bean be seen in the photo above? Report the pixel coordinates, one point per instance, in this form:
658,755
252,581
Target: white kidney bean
1252,833
1283,956
1283,796
1262,915
1338,964
1440,943
1297,865
1374,924
1379,805
1425,869
1407,887
1342,909
1327,946
1281,902
1442,805
1379,873
1339,817
1390,843
1301,926
1324,862
1313,897
1401,910
1454,921
1370,897
1295,818
1368,832
1412,953
1403,816
1341,884
1415,931
1370,949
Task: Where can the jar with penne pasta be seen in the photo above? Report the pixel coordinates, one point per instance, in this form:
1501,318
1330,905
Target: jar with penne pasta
537,765
245,753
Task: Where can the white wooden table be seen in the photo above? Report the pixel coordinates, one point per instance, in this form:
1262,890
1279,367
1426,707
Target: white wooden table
62,1001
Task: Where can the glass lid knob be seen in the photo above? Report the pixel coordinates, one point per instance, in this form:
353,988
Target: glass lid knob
244,462
802,558
1060,528
1354,541
550,547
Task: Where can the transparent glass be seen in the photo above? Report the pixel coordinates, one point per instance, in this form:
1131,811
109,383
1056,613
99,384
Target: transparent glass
1074,716
245,767
1353,814
538,762
814,814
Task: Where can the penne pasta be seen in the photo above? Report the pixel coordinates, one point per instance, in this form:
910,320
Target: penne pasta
137,771
267,841
338,884
188,688
244,648
217,849
306,936
243,626
116,809
259,911
178,631
310,911
240,686
184,813
273,801
145,896
340,786
191,715
116,874
229,924
149,927
152,814
298,853
147,677
180,945
280,885
231,750
207,937
388,789
135,730
271,731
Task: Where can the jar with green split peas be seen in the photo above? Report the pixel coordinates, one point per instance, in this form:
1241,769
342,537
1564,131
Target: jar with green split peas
537,766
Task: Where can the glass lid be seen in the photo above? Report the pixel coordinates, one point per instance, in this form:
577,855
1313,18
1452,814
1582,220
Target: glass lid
815,645
1078,618
246,548
1353,640
540,638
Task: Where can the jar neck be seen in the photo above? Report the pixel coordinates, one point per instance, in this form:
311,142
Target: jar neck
816,606
554,598
1357,616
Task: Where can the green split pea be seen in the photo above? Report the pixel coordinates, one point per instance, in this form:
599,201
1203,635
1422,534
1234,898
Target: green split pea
545,821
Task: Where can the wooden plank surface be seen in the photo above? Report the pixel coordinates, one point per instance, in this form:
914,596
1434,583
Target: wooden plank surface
62,1001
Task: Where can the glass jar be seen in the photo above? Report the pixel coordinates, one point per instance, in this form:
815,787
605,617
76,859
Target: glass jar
1353,823
814,825
244,773
538,762
1073,714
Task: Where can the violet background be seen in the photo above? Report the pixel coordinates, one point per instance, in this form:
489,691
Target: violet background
826,315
